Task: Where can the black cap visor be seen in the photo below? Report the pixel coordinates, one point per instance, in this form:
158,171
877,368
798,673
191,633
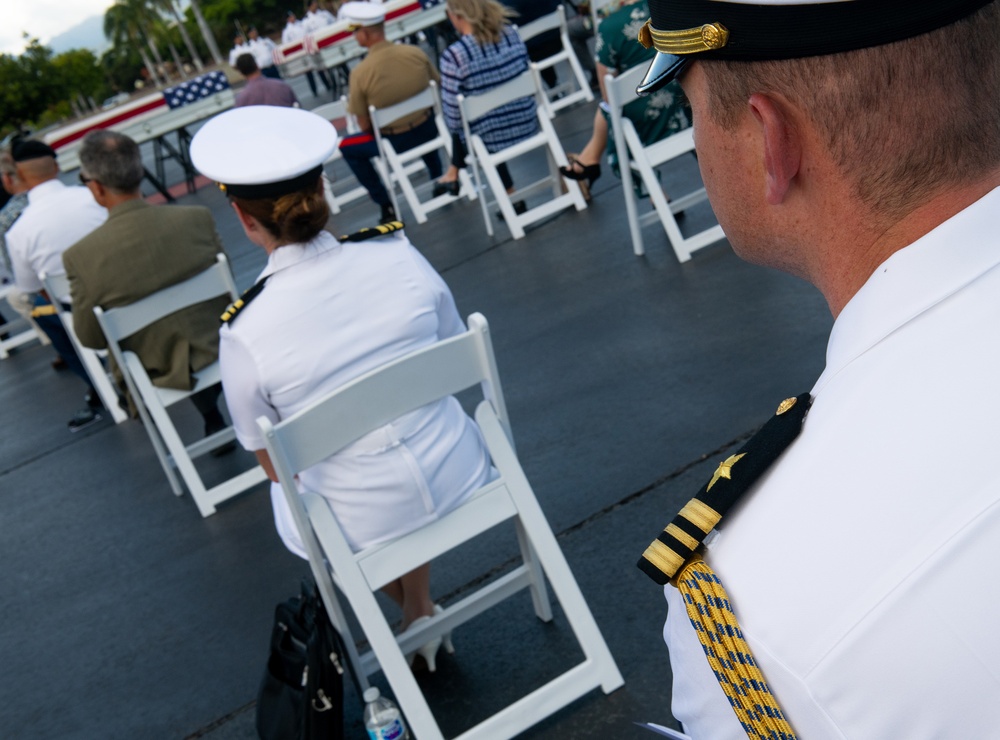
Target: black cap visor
663,69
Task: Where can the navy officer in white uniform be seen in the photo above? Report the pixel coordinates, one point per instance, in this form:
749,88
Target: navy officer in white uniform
856,145
322,313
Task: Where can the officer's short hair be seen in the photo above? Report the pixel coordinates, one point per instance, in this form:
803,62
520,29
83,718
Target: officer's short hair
901,119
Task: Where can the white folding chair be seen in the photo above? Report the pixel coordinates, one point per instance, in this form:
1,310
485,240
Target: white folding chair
565,193
57,286
574,90
153,402
634,158
336,111
19,331
402,166
373,400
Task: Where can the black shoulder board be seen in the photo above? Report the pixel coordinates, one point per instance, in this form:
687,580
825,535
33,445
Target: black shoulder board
666,555
240,303
370,233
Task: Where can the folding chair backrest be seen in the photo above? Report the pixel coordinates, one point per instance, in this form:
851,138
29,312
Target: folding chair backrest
56,285
388,392
119,323
537,27
522,86
382,117
642,160
338,110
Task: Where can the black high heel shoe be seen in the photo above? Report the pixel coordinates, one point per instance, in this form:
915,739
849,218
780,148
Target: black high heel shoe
585,174
446,188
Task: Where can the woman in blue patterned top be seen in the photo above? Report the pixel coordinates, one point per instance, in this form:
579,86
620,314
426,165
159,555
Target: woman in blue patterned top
489,53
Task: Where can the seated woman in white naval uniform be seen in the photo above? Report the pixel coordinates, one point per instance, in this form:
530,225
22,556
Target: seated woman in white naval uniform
326,313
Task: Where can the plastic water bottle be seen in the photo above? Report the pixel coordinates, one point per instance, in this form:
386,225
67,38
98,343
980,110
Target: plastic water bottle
382,717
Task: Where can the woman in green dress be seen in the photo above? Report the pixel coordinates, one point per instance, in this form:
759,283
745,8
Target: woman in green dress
655,117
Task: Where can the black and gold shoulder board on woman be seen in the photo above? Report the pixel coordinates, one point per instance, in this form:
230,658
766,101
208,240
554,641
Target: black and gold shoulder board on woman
234,308
372,232
665,556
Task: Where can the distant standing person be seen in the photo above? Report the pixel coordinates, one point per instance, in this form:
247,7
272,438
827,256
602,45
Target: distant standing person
262,49
240,46
261,90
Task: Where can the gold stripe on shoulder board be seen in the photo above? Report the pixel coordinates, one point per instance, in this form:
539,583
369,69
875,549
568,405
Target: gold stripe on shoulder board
234,308
372,232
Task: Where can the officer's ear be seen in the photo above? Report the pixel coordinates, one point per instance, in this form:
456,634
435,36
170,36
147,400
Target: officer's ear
782,143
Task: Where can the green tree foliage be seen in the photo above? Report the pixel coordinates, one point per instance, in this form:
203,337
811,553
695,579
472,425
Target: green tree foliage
36,87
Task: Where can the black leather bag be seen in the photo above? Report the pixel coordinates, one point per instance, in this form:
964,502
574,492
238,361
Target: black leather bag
301,695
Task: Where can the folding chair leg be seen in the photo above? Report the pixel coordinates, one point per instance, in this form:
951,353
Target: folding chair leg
328,195
166,460
554,562
539,593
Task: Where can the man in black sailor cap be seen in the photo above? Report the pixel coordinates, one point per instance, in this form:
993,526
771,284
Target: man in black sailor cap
851,585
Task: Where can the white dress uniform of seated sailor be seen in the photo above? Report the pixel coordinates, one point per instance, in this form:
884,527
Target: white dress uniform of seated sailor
322,313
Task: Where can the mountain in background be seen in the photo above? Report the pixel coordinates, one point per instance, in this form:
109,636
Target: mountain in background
86,35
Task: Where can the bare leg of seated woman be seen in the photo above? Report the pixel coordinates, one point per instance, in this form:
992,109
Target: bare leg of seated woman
585,167
412,592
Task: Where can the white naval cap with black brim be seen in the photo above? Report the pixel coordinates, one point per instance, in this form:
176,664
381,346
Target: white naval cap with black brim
263,151
361,14
682,31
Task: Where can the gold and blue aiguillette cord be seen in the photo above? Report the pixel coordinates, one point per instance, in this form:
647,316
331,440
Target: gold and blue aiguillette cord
673,556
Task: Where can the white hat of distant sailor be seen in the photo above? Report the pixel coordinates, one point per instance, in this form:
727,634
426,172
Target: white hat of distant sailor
263,151
361,14
747,30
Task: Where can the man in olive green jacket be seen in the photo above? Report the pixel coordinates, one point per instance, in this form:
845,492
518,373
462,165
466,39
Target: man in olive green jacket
139,250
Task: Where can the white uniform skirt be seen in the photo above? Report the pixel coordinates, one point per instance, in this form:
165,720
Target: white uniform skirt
395,479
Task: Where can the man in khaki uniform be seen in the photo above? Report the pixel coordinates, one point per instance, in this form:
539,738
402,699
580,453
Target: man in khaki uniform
140,250
390,74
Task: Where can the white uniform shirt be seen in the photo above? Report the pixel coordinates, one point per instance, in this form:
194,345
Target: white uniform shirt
315,21
863,565
329,313
56,218
263,52
238,51
292,32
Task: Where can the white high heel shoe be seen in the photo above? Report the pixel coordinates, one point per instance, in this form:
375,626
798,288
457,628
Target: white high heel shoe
428,651
446,637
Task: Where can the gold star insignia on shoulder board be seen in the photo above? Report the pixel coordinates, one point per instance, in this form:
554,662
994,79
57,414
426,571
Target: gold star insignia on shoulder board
725,469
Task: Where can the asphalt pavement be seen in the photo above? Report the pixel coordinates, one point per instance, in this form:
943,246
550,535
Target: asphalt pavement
127,615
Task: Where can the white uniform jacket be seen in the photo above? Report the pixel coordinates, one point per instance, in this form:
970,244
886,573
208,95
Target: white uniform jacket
56,218
863,566
329,313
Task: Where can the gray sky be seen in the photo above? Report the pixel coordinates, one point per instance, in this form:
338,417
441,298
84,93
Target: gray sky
42,19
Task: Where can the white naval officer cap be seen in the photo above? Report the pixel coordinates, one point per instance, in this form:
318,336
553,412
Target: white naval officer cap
263,151
361,14
748,30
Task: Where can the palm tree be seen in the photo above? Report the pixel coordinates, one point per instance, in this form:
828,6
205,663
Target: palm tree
206,33
170,7
124,26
